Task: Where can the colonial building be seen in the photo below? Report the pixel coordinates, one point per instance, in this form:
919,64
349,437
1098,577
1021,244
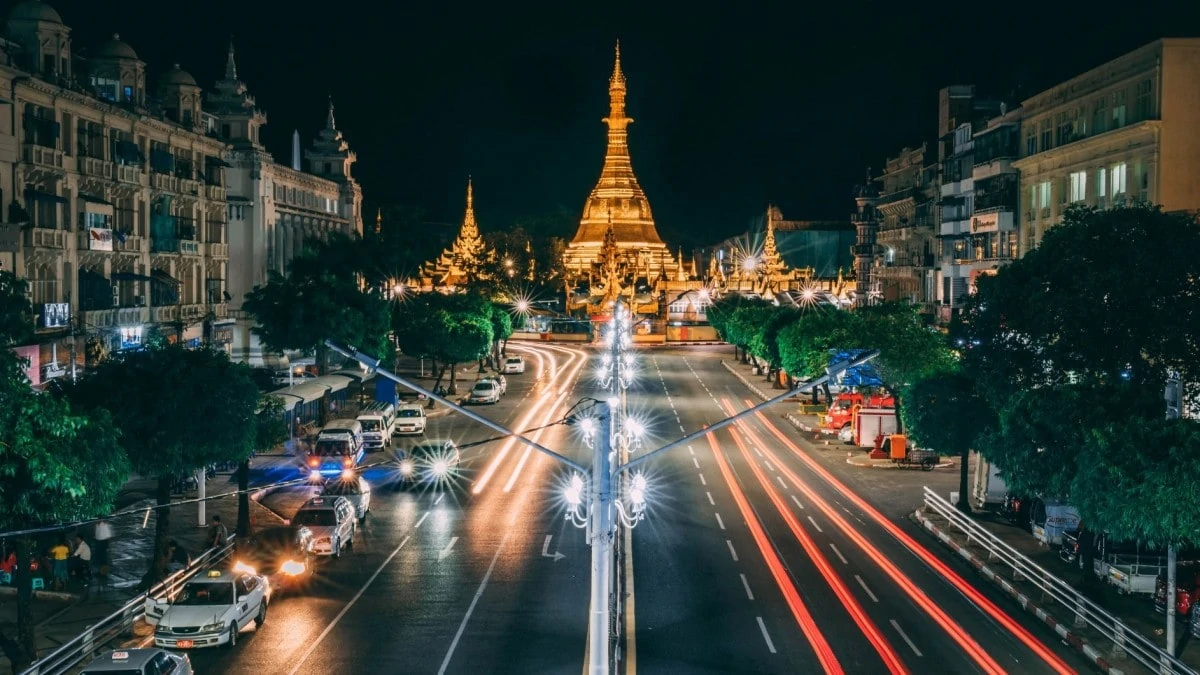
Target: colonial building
274,208
1128,130
464,261
906,208
617,249
117,193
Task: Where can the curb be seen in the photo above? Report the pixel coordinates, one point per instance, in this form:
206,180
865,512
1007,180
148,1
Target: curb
57,596
746,382
888,464
1088,651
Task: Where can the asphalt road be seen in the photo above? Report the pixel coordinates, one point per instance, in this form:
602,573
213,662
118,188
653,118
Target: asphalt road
760,554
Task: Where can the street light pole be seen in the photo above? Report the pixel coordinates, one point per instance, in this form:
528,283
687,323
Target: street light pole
1174,399
602,544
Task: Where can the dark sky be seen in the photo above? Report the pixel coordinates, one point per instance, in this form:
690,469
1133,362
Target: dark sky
774,102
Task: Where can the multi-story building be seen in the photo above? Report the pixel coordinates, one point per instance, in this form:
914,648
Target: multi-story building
1128,130
118,192
274,209
906,210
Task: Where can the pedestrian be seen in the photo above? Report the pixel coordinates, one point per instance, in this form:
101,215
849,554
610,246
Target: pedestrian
102,534
59,554
177,557
80,561
218,533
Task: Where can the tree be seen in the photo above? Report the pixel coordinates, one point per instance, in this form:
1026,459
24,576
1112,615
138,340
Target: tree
805,345
320,300
270,430
16,314
720,312
56,466
764,344
450,329
742,323
947,413
177,410
502,330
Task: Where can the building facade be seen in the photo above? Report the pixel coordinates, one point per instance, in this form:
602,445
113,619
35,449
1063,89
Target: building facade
906,211
273,209
1126,131
115,194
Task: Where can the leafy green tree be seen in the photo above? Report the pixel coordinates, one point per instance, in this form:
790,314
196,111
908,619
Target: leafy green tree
502,330
741,324
805,345
719,314
270,430
947,413
16,314
56,466
764,344
177,410
320,299
450,329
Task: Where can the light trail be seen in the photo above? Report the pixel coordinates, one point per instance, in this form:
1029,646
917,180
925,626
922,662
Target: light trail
805,620
551,411
972,593
851,604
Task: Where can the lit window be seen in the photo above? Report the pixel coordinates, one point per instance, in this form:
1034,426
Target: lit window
1118,179
1078,186
1102,182
1044,195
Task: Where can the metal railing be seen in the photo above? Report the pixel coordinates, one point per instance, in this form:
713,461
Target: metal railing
1125,640
97,638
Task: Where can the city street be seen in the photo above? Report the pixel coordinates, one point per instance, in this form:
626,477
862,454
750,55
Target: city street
749,561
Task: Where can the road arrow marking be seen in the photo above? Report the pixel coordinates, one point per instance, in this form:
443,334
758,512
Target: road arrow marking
546,550
446,551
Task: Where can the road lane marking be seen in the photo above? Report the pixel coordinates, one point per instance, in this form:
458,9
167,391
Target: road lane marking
781,483
423,517
769,467
336,619
696,462
906,639
746,585
810,519
719,521
439,499
557,555
758,452
710,499
681,429
630,608
839,554
471,608
691,451
797,501
763,627
702,481
446,551
864,587
731,551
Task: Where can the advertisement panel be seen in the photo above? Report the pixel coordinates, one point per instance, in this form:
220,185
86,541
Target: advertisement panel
31,354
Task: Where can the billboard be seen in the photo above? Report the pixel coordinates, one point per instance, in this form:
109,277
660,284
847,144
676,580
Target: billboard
56,315
32,354
100,239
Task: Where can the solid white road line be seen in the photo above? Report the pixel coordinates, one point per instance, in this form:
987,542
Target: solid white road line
719,521
763,627
731,551
474,601
797,501
864,587
810,519
316,643
710,499
839,554
746,585
905,636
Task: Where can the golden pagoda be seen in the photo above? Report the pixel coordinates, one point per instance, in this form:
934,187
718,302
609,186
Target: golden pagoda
463,262
618,202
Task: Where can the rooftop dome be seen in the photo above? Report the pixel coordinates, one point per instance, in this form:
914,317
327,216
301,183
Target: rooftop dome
34,10
115,49
179,76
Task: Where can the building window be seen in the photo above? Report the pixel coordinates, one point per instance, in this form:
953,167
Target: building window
1064,126
1078,186
1101,184
1118,180
225,131
1047,135
1144,106
1031,141
1144,192
1118,110
1044,195
1100,116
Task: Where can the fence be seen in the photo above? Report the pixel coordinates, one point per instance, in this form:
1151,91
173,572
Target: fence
1124,639
96,639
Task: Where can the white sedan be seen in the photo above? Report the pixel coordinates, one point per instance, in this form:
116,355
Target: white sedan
484,391
211,609
355,489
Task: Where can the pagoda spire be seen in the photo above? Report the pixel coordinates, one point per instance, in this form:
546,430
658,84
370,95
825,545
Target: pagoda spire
329,123
378,222
230,64
469,228
771,261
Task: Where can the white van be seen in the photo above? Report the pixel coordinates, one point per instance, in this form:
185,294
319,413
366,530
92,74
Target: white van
339,447
378,422
410,419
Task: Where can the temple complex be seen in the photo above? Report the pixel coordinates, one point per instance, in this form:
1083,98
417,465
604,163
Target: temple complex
464,261
617,248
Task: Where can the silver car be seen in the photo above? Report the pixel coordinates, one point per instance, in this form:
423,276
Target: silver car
141,661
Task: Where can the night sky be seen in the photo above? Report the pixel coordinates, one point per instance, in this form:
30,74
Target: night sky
764,103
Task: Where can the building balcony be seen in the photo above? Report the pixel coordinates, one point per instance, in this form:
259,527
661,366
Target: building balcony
214,193
40,237
181,246
96,239
43,158
192,312
130,244
97,168
220,310
116,316
164,314
218,250
164,181
188,186
127,173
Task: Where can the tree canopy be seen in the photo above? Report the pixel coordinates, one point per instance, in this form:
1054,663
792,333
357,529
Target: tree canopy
946,413
16,314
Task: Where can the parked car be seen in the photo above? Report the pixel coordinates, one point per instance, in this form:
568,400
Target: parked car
500,381
210,610
355,489
152,661
514,365
484,391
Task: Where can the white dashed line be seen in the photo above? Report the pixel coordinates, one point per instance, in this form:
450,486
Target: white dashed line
710,499
758,452
681,429
810,519
702,481
691,451
797,501
423,517
864,587
719,521
763,627
839,554
746,585
781,483
439,499
905,636
769,467
696,462
731,551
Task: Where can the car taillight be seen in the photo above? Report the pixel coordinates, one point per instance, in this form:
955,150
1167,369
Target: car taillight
313,461
346,461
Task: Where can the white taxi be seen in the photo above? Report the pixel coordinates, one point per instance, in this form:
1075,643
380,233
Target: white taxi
210,609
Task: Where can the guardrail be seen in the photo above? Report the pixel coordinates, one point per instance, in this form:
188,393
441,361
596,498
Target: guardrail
1123,638
90,643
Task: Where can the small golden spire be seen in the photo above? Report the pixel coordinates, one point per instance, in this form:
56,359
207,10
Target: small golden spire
617,81
378,221
469,228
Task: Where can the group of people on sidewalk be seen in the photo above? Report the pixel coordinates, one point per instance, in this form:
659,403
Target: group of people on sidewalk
65,559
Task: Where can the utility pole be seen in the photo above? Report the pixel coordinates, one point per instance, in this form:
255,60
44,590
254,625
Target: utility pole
602,543
1174,399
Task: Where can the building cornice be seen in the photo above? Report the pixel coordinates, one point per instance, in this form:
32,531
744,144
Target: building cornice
1086,148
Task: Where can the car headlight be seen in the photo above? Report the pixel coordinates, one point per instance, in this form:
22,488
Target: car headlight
162,630
242,567
440,467
292,568
210,627
407,467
